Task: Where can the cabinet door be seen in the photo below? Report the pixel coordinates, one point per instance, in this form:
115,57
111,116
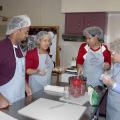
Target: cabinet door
95,19
75,23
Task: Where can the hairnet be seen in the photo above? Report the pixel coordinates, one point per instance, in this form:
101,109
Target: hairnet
51,34
17,22
94,31
40,35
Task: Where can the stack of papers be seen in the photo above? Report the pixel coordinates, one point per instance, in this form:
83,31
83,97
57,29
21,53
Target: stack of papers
4,116
54,89
46,109
79,101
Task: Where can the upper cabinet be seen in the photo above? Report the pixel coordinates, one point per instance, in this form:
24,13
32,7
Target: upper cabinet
76,22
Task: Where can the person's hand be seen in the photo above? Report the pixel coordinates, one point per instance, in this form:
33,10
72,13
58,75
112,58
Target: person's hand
42,72
106,66
37,71
59,69
29,99
108,81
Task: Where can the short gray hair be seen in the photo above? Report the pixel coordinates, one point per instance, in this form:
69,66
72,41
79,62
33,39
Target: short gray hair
95,30
115,46
40,35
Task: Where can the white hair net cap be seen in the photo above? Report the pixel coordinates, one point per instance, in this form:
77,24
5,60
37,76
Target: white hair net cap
51,34
95,30
40,36
17,22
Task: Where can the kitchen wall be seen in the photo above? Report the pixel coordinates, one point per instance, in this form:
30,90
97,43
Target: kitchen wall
41,12
90,6
113,29
2,31
48,12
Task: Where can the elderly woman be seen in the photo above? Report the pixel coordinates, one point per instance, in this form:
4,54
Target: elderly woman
93,56
113,83
39,64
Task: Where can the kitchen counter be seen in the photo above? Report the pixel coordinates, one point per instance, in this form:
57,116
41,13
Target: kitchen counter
12,110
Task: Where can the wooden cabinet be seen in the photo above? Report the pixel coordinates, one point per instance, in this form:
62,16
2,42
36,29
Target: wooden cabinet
76,22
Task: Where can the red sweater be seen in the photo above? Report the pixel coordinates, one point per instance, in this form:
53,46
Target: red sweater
7,61
83,51
31,60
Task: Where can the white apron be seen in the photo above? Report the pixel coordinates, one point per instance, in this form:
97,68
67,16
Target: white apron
37,82
14,90
93,67
113,99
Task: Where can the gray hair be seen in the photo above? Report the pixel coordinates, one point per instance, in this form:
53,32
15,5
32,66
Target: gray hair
40,35
115,46
94,31
17,22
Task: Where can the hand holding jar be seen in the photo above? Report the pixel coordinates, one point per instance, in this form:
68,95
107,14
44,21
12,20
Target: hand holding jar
107,80
42,72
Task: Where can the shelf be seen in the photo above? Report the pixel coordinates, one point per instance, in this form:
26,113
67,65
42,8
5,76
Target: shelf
73,38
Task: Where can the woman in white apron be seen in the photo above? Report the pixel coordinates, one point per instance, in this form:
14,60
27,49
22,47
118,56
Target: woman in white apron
93,57
93,67
39,64
113,99
113,82
17,31
37,82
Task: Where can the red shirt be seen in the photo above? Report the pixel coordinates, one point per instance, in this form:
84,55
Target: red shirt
31,60
83,51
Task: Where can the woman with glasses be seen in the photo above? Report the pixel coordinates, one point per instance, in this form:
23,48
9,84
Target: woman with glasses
39,65
113,82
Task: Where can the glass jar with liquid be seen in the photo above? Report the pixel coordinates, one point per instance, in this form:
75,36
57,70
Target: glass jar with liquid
77,86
